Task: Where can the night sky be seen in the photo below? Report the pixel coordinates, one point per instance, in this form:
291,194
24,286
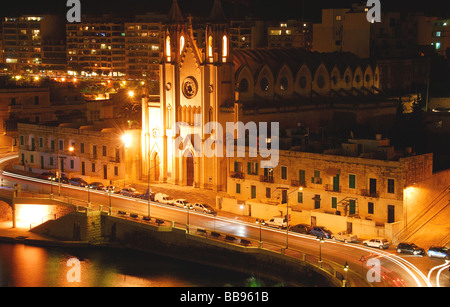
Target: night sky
268,9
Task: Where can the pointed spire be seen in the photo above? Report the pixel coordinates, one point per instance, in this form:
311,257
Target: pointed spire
217,14
175,15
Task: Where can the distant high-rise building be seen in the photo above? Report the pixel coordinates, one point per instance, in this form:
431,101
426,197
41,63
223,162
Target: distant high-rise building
290,34
24,39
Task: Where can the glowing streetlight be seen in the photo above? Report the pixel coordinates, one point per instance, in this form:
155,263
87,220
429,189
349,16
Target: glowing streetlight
127,139
131,94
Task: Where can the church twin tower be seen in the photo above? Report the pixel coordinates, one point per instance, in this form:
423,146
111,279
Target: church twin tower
196,88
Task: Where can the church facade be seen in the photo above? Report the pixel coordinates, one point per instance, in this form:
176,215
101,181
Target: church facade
207,82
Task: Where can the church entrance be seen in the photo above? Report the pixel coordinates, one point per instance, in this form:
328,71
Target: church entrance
190,169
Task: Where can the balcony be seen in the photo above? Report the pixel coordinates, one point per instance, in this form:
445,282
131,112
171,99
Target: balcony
237,175
297,183
332,188
268,179
369,193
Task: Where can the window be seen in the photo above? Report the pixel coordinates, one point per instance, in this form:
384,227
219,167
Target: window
243,86
267,192
36,100
93,167
52,145
253,191
264,84
316,178
284,172
316,201
370,208
61,144
72,164
284,83
238,188
116,171
41,142
81,147
391,186
252,168
438,45
31,158
51,161
351,181
300,197
21,140
104,151
334,202
301,177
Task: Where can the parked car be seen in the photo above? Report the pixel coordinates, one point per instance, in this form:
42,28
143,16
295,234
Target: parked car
78,182
46,176
301,228
277,221
164,199
380,243
96,185
182,203
146,195
344,236
439,252
321,231
112,188
410,248
63,179
129,192
205,208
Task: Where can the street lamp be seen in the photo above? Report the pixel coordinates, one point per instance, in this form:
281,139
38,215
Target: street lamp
287,211
344,284
187,207
260,224
321,240
89,195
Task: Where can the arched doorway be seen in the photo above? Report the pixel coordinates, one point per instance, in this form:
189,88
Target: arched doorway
155,167
189,169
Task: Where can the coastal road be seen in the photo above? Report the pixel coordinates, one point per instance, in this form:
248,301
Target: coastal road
394,270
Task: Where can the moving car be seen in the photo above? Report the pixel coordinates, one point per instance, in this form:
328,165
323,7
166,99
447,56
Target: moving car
182,203
96,185
321,231
78,182
410,248
129,192
278,222
439,252
344,236
164,199
380,243
205,208
301,228
46,175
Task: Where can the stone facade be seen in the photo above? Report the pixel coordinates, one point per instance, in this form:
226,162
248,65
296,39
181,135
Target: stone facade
349,186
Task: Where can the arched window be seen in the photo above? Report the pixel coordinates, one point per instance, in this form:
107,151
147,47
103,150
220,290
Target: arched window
168,51
321,81
264,84
210,49
182,41
243,86
284,84
224,48
302,82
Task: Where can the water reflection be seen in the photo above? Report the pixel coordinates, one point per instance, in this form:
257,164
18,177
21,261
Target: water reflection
30,266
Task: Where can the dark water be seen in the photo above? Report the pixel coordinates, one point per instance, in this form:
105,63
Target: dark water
31,266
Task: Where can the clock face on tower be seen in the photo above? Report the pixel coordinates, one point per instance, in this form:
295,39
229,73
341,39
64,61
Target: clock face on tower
190,87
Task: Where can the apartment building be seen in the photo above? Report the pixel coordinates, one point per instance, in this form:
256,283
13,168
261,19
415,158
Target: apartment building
143,41
96,47
290,34
24,38
93,153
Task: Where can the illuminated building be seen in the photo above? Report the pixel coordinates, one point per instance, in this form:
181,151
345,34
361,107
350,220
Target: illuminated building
24,39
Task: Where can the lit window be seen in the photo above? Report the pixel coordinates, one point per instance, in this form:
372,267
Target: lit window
168,51
275,32
438,33
225,48
283,25
210,48
338,17
181,44
438,46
